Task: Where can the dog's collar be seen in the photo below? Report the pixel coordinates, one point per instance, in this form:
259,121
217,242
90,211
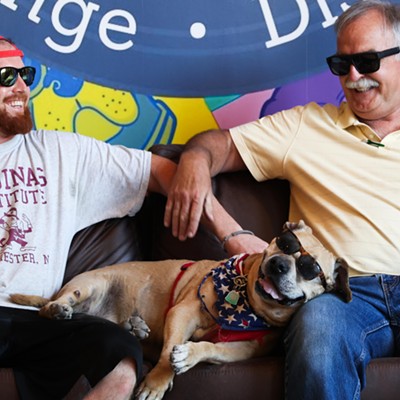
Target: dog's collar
234,310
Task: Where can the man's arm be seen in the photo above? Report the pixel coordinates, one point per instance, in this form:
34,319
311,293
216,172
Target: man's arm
190,195
222,224
216,149
161,174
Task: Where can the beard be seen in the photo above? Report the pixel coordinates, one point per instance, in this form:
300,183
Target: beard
11,125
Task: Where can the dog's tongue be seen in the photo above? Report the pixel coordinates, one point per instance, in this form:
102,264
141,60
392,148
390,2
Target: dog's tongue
270,288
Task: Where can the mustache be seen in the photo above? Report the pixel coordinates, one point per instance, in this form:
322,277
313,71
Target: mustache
17,97
362,84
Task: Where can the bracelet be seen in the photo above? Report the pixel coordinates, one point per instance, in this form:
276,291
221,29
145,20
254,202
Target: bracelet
236,233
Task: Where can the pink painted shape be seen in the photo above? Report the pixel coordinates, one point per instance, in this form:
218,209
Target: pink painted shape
245,109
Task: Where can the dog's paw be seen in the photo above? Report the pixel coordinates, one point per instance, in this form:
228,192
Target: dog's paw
137,326
152,388
57,311
180,358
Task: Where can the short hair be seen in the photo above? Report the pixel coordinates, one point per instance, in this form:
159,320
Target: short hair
7,40
390,12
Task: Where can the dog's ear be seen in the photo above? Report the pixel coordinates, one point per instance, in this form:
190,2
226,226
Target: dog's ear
342,287
297,226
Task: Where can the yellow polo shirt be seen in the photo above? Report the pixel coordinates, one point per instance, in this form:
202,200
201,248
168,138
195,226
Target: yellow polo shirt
347,190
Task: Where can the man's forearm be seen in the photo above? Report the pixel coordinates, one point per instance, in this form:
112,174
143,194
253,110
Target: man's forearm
190,194
223,225
216,149
161,174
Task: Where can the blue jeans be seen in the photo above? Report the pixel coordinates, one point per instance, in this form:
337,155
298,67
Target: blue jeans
329,342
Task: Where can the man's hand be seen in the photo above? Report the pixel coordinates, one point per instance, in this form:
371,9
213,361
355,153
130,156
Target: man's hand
189,198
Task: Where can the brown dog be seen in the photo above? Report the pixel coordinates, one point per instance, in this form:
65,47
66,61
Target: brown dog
177,300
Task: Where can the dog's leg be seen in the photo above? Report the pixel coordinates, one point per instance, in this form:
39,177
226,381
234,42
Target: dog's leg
179,326
56,310
66,302
187,355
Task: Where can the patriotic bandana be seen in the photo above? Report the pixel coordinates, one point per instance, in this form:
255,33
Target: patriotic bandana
15,52
234,310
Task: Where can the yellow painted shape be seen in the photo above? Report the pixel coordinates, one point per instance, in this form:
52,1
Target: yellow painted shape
117,105
90,122
53,112
192,114
97,111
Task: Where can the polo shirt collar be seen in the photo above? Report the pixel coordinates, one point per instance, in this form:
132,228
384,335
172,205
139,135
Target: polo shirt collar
346,117
347,120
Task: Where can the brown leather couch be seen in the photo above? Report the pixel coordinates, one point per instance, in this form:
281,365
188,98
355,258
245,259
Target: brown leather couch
260,207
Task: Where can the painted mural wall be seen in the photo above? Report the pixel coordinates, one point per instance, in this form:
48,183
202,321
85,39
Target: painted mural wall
139,72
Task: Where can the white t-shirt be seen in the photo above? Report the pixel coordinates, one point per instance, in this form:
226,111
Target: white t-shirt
346,189
53,184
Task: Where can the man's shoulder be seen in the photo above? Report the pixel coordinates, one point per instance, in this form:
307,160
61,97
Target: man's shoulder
43,134
323,107
325,112
54,138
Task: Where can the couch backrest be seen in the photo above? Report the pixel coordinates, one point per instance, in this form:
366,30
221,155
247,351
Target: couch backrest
260,207
105,243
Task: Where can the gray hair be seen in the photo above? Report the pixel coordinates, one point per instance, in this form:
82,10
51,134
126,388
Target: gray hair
390,12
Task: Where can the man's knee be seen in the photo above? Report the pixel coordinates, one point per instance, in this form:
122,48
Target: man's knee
118,383
316,325
107,337
103,345
126,374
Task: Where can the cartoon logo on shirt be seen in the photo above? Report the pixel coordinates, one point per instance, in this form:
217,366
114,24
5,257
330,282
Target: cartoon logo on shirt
15,230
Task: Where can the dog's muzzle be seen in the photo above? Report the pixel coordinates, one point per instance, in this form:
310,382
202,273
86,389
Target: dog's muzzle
276,268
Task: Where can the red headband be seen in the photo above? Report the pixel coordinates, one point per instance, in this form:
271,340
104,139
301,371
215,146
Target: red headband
15,52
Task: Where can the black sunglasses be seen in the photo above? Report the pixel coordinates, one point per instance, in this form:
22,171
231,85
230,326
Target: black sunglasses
9,75
306,264
365,63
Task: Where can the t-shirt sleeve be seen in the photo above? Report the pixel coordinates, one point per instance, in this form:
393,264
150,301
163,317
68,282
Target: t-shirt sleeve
264,144
111,181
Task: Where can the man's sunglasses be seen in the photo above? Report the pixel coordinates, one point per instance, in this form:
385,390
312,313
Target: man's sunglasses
365,63
9,75
306,264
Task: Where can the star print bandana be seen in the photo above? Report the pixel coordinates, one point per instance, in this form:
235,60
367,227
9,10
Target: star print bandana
234,310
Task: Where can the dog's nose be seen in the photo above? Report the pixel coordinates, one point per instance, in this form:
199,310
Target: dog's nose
277,266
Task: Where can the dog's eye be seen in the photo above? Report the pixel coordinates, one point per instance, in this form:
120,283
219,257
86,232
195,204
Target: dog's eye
308,267
317,267
288,243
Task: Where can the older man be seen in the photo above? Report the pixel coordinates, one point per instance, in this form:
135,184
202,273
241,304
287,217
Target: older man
343,165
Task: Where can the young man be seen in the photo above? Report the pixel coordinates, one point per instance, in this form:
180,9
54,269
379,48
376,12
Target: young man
51,186
343,166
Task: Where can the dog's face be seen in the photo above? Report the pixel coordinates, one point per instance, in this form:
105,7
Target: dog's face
295,268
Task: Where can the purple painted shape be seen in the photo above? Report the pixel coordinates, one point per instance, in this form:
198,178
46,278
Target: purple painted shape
322,88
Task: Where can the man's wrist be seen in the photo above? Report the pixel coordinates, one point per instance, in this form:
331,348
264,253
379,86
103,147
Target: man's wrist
235,233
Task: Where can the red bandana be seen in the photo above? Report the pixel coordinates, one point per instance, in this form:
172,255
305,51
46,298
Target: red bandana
15,52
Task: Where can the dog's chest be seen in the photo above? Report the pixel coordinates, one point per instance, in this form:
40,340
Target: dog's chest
234,311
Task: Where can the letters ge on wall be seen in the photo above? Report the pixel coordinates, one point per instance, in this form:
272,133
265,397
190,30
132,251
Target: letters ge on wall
177,48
